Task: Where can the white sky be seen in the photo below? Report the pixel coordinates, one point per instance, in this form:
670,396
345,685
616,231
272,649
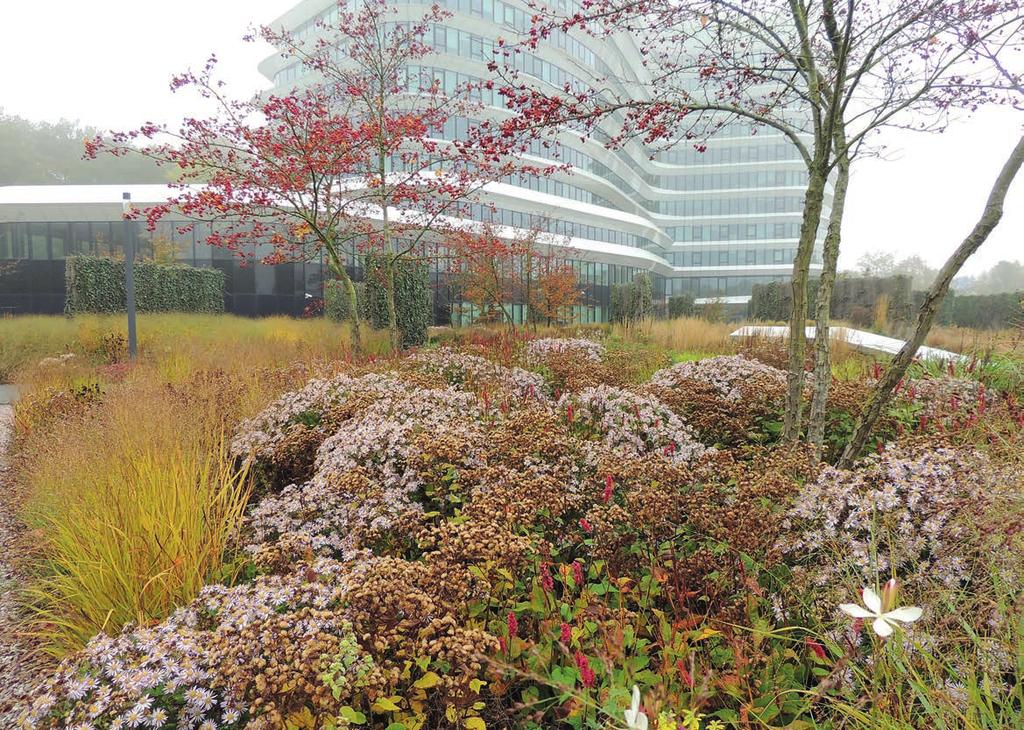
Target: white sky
107,63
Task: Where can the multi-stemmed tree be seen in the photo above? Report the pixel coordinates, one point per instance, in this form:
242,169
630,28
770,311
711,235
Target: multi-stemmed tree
826,75
354,161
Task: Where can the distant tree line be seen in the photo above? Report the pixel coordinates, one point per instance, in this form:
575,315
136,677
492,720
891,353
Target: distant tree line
44,153
1004,277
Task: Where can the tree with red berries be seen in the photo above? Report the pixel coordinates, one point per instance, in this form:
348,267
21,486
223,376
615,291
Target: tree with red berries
825,75
428,150
358,160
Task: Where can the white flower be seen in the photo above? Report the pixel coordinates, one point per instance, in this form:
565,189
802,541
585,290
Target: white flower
635,719
881,610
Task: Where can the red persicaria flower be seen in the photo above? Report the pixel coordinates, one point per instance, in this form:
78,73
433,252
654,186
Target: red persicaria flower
587,677
501,644
577,572
816,647
609,485
687,677
569,413
587,527
566,633
513,625
546,581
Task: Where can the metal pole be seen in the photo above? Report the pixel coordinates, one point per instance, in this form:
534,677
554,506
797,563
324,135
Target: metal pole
128,226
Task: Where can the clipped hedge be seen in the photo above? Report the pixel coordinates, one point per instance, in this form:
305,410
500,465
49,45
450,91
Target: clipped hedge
681,305
336,304
632,302
412,298
96,285
980,311
853,298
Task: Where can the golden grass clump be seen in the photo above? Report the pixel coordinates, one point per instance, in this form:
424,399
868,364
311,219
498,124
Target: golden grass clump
133,505
131,494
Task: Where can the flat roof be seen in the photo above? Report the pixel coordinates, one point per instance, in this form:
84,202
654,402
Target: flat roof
82,194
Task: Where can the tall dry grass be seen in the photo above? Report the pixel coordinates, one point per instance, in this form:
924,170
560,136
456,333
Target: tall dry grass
131,495
687,334
977,342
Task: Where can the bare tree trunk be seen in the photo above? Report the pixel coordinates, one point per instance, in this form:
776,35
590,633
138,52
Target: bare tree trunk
338,268
798,317
395,334
823,307
933,299
353,304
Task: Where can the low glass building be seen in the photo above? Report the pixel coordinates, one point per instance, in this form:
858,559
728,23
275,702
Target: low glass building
41,225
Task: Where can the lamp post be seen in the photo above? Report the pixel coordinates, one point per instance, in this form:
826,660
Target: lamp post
128,226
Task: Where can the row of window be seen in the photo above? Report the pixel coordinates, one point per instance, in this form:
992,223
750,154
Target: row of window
733,257
735,232
519,19
717,286
466,313
558,226
744,205
734,154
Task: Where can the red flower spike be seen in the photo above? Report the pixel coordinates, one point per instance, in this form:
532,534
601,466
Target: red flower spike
546,581
816,647
587,677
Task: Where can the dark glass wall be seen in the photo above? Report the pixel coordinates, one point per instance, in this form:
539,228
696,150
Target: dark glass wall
32,270
32,265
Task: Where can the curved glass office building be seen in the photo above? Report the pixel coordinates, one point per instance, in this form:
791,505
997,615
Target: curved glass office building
710,223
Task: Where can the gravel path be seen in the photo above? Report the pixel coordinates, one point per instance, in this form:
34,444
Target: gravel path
18,668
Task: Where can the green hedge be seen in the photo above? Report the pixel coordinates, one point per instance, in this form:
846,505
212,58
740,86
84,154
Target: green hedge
632,302
336,304
853,298
980,311
412,298
96,285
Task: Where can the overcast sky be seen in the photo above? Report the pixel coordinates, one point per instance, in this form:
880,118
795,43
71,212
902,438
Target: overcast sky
107,63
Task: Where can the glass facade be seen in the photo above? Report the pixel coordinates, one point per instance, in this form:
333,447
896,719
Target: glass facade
32,265
32,270
721,218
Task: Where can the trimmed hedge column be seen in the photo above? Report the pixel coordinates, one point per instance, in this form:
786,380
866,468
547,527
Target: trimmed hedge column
96,285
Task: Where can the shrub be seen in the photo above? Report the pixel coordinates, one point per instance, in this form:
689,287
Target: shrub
726,374
472,372
631,423
681,305
96,285
909,511
537,351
